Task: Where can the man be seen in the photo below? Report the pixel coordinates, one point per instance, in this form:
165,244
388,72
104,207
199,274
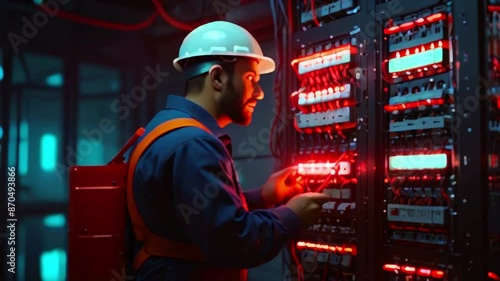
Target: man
185,184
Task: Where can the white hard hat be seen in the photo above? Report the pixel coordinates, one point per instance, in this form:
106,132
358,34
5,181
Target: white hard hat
222,38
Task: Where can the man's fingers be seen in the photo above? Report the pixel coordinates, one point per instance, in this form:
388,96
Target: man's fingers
297,188
289,175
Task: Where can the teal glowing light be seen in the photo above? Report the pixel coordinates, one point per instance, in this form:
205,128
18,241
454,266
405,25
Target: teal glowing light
55,80
48,152
53,265
56,220
421,59
23,147
418,162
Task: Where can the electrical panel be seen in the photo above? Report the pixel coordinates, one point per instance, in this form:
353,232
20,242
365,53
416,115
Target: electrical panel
313,13
396,115
417,73
324,106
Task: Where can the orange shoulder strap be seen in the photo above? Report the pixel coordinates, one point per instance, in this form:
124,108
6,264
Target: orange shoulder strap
155,244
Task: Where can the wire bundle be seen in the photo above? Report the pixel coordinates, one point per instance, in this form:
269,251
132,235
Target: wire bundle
283,28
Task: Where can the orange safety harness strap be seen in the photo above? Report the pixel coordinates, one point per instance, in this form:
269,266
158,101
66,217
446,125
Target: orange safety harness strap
155,245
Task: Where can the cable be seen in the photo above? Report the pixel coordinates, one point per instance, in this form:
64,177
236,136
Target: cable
285,15
169,19
300,270
273,126
313,11
385,74
325,271
100,23
126,26
443,192
277,130
327,180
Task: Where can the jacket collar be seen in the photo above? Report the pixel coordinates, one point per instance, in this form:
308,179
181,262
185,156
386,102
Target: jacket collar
197,112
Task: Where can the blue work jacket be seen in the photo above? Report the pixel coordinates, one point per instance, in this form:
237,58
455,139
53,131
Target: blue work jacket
186,189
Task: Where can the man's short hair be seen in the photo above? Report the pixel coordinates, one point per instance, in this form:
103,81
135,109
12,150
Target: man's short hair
196,83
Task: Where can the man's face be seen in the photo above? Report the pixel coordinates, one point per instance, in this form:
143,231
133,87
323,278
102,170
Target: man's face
242,92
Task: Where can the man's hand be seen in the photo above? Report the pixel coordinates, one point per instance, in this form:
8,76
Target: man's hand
281,186
308,206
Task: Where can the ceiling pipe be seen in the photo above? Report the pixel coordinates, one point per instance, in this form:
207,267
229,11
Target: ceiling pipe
255,16
252,16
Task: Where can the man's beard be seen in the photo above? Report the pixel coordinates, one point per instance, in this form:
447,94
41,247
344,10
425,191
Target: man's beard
232,105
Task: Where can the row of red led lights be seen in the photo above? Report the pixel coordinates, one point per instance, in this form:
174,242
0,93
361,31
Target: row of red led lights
411,270
419,49
426,272
323,92
344,249
321,55
413,104
419,22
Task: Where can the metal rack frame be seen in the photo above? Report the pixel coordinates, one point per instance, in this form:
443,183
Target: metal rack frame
470,256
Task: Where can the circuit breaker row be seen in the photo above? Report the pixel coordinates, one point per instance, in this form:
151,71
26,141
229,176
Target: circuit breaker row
325,120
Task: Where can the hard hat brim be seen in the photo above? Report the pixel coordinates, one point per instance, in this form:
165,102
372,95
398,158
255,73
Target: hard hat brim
266,64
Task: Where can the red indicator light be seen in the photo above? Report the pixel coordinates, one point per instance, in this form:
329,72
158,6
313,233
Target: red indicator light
493,276
392,29
437,274
424,272
391,267
436,17
408,269
406,26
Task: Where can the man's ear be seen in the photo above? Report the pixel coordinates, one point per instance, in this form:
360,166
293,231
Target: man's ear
215,74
